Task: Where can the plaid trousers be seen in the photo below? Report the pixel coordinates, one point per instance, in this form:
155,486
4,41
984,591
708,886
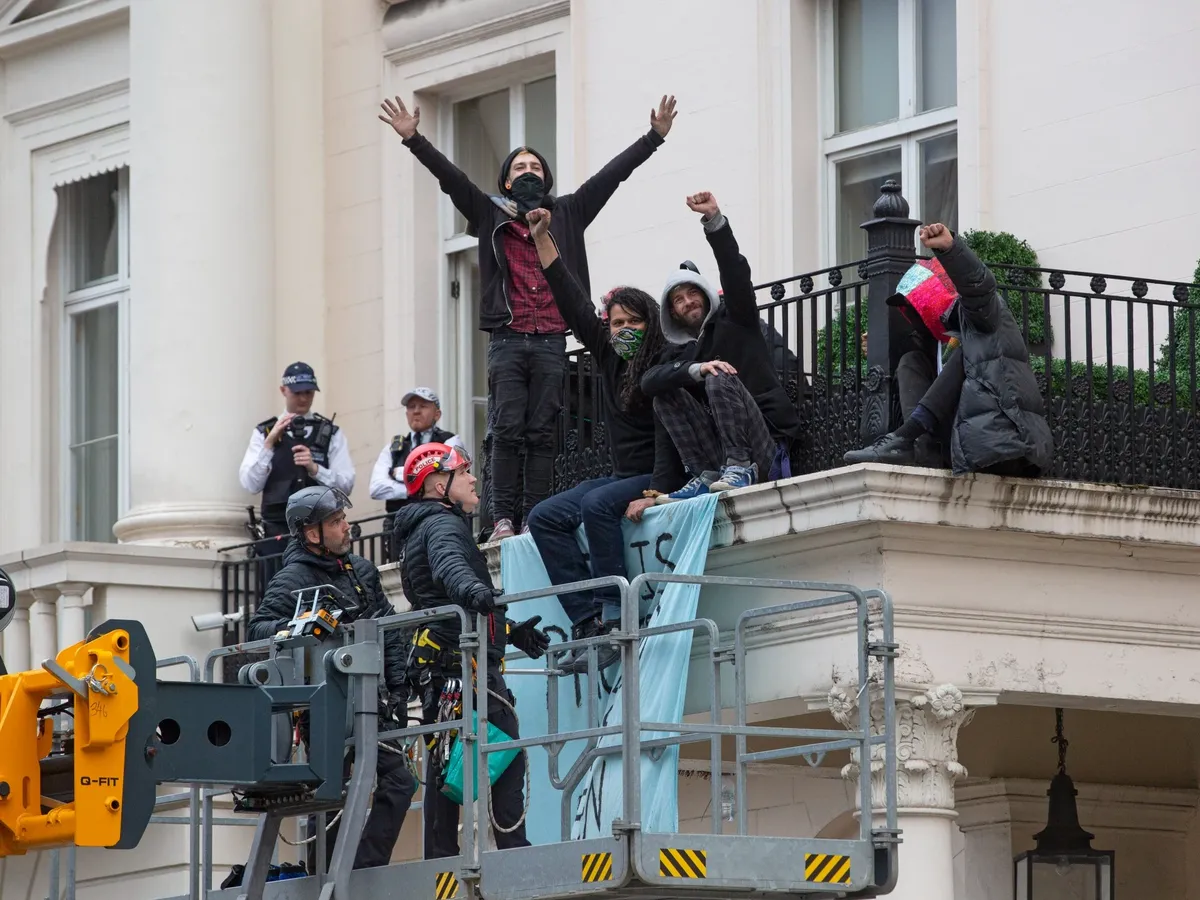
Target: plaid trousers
727,429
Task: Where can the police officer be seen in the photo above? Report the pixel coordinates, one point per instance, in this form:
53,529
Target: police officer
443,566
318,554
424,411
296,450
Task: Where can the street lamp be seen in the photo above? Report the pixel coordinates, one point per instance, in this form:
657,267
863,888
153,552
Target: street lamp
1063,865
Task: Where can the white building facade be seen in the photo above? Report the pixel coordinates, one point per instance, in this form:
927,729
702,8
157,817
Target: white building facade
196,193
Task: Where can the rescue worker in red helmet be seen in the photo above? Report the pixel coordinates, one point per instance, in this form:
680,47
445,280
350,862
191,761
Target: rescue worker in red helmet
443,566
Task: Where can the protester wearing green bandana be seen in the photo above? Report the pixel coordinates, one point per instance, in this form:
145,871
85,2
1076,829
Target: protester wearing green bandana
624,342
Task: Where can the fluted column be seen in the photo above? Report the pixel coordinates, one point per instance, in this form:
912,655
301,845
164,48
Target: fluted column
202,262
927,725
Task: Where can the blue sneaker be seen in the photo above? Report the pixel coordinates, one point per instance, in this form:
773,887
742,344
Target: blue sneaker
695,488
734,477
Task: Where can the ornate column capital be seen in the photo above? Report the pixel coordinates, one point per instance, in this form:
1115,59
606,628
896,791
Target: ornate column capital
927,724
73,594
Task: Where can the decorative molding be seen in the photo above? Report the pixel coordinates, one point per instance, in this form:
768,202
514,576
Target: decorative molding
59,105
1004,802
1010,512
59,25
926,724
472,34
47,567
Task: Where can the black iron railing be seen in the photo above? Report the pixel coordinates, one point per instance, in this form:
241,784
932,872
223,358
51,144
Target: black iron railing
1116,358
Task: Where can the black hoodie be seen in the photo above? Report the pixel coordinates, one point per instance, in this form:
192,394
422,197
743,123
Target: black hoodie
356,578
486,214
442,566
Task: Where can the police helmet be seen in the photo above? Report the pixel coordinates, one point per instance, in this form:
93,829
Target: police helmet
313,505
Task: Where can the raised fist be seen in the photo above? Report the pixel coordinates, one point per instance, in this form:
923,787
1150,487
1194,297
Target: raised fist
539,222
703,203
937,237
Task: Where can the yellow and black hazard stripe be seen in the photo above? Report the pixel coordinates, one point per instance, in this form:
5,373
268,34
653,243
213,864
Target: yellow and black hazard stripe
597,867
826,868
679,862
445,886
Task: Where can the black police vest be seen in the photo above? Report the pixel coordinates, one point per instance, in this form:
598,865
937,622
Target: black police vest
401,447
285,477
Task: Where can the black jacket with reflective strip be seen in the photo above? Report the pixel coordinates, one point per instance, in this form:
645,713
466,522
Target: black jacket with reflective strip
402,445
285,477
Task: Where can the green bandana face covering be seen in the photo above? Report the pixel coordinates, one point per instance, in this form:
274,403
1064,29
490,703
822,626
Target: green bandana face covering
627,342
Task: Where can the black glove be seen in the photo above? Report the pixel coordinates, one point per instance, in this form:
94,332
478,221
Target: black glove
528,638
483,598
396,706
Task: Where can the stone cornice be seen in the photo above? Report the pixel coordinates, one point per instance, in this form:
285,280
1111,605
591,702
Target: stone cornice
60,25
113,564
458,25
1008,801
887,501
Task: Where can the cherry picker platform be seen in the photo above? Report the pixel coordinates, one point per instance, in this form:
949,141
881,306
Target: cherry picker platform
220,735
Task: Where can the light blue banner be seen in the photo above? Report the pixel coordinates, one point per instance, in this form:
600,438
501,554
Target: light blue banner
674,537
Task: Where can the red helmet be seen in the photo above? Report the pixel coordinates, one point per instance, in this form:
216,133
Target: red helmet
428,459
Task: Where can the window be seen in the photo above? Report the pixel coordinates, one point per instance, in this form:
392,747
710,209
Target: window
484,128
94,215
890,113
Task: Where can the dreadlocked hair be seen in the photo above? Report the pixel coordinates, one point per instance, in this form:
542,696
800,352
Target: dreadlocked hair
642,305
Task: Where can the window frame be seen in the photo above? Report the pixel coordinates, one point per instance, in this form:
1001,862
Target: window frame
113,291
905,132
457,316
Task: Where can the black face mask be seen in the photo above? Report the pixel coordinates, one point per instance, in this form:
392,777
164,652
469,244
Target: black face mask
527,191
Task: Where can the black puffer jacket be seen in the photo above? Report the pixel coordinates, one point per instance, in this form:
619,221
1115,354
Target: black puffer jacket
355,577
443,566
1001,415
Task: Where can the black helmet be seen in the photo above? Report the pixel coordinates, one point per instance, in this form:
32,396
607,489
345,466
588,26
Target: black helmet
312,505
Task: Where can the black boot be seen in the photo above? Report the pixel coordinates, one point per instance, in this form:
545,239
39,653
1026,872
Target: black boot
891,449
606,654
928,453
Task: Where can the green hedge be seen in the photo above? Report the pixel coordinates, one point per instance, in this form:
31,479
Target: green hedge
1120,376
853,349
1181,324
1001,248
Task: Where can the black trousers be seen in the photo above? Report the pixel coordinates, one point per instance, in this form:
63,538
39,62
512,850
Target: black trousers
525,378
394,793
508,802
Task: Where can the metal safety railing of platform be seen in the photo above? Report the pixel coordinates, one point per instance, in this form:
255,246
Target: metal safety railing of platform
635,860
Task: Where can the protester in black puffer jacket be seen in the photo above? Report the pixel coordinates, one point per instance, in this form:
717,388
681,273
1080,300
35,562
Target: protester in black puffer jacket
443,566
319,554
984,408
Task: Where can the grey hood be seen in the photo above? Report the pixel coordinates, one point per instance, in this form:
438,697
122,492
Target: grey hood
672,330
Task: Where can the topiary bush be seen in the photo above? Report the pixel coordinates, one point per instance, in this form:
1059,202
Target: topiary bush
999,248
1185,341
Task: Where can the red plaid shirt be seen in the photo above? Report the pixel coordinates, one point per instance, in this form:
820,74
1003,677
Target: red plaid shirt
533,308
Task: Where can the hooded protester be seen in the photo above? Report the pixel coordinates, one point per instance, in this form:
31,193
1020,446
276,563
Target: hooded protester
984,409
527,352
319,554
444,567
623,344
715,388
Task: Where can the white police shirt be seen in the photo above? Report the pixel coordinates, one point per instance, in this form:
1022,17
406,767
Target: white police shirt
387,483
256,464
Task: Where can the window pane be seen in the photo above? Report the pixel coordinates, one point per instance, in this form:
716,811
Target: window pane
481,141
868,62
859,182
94,422
939,180
937,85
541,119
93,210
